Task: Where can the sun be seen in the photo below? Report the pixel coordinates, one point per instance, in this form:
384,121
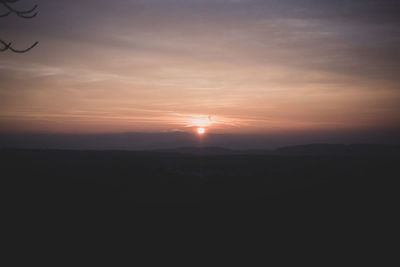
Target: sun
201,131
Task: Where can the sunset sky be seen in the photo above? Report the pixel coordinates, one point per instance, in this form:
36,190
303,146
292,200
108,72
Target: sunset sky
229,66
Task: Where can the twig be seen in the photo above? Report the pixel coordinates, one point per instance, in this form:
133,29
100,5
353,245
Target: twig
8,46
23,14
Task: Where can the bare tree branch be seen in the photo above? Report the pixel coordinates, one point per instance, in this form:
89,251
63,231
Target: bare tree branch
5,14
27,14
8,46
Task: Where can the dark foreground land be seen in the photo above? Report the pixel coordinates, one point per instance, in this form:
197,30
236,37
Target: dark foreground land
324,204
317,175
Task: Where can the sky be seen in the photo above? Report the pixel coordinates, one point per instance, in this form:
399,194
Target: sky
229,66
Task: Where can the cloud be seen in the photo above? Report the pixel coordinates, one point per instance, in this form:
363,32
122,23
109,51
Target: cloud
260,64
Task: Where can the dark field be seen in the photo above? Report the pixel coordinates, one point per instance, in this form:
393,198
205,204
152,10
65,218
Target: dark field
316,175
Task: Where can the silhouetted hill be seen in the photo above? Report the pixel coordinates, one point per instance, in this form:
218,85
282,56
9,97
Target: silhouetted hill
300,150
201,176
312,149
199,150
172,140
338,149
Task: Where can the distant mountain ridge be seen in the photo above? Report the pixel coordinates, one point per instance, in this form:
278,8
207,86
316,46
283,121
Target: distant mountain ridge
299,150
199,150
338,149
185,143
172,140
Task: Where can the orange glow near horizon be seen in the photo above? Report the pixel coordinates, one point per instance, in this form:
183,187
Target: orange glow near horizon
249,71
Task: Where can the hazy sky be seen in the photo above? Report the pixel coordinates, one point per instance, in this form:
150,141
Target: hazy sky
233,66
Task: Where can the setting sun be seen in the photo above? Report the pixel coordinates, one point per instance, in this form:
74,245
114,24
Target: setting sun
201,131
